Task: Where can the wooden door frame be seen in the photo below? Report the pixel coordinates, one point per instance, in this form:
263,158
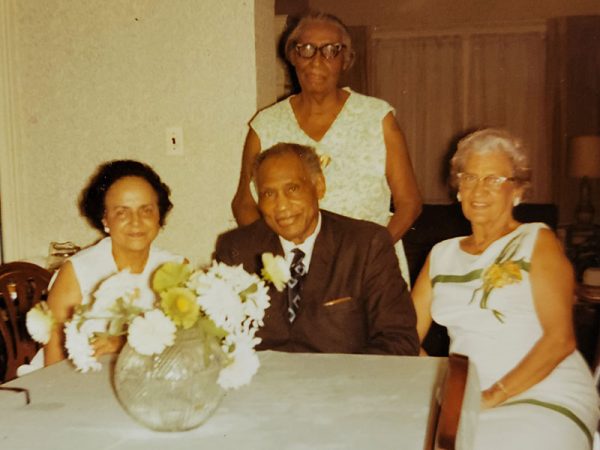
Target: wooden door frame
11,244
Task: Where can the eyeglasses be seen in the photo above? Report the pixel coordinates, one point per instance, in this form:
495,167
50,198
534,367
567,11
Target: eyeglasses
328,51
470,180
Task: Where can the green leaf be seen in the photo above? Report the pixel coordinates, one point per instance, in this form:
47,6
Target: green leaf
209,328
249,290
170,275
484,298
116,325
498,315
475,291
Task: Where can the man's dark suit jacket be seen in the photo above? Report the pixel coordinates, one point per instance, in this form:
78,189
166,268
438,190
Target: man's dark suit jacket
354,262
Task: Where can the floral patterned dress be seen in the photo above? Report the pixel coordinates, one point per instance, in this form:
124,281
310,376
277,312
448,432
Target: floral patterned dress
355,153
486,303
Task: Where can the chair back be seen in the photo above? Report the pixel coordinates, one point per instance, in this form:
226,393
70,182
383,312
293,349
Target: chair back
22,285
447,407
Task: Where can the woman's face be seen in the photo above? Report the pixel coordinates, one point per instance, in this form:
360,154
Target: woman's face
482,203
317,74
131,213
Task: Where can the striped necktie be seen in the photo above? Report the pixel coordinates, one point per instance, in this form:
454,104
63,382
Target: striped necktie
294,284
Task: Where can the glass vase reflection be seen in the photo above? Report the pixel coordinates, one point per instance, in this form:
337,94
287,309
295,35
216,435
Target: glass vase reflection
174,391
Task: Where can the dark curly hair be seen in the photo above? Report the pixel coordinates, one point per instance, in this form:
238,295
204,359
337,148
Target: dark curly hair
91,202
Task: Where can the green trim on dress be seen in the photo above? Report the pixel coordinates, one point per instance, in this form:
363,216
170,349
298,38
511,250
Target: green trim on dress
457,278
557,408
503,271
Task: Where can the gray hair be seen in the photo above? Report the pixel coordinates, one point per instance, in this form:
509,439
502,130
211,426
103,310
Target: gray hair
307,155
490,140
321,17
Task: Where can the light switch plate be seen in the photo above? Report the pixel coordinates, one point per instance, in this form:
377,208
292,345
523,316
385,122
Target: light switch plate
174,138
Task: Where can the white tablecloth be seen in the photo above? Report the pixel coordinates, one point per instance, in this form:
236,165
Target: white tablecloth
296,401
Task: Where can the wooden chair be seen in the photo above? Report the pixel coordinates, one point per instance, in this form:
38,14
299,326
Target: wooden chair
22,285
446,409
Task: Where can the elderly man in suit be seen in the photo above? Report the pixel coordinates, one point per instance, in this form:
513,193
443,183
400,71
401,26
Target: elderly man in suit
346,294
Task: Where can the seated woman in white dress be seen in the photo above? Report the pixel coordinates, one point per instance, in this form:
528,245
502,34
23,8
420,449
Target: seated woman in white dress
127,202
505,293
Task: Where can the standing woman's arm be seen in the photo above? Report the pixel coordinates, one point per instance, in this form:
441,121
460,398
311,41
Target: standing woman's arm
64,295
422,295
243,205
400,178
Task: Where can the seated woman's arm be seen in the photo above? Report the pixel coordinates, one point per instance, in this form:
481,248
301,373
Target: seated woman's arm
243,205
63,297
401,179
422,295
552,285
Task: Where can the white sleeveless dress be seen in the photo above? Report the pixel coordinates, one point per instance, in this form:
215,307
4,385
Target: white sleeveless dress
355,176
496,329
92,266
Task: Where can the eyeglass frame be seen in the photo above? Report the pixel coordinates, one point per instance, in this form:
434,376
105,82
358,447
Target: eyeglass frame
336,45
493,182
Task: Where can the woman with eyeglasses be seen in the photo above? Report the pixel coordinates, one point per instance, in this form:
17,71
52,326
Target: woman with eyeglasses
361,146
505,293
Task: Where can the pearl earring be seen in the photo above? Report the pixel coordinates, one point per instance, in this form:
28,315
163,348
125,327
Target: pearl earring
106,229
458,196
516,201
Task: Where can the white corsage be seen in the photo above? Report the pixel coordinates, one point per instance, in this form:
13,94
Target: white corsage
276,270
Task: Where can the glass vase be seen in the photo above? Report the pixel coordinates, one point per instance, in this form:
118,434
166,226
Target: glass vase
174,391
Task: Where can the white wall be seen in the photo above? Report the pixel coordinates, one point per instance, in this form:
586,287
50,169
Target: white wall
96,80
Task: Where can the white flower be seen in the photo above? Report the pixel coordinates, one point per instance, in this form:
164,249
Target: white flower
235,276
276,270
242,366
222,304
110,290
152,333
39,322
79,349
233,299
256,302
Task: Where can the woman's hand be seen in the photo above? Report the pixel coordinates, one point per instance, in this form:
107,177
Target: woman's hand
494,395
104,345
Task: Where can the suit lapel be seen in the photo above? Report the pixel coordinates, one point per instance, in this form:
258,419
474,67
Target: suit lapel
321,267
269,241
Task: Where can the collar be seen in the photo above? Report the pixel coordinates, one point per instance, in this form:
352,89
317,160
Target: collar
307,246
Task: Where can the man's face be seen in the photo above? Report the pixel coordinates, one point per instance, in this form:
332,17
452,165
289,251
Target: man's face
288,198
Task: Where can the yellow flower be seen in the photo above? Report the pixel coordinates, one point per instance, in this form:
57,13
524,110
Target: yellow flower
501,274
180,305
170,275
275,270
324,160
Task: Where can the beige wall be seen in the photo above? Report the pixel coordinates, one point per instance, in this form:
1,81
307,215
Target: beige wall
95,80
411,14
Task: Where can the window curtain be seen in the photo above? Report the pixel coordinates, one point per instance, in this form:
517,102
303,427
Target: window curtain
443,86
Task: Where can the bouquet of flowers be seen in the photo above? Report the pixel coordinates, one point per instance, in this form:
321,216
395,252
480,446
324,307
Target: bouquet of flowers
226,302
